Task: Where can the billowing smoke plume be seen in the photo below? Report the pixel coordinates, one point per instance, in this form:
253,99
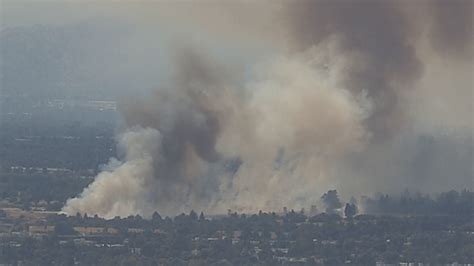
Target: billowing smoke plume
122,188
330,108
376,37
192,138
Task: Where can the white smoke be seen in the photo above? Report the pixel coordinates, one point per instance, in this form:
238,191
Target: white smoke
122,189
303,125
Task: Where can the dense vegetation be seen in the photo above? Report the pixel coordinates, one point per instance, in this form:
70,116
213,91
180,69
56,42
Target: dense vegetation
258,239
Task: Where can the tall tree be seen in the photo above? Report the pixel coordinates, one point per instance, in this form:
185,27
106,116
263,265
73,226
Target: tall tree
331,201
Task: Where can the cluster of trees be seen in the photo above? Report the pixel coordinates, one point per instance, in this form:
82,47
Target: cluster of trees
446,203
264,239
333,204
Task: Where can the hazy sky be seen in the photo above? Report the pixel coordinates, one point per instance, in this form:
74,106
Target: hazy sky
113,46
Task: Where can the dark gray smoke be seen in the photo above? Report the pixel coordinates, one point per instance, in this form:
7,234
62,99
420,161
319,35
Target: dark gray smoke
451,28
377,35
